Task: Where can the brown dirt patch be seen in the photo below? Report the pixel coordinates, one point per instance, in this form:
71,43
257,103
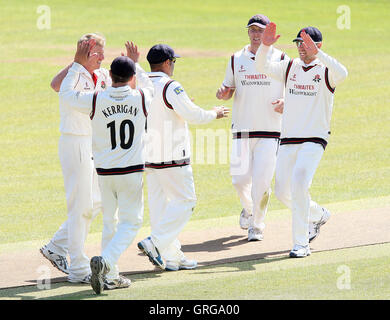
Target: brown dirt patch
220,245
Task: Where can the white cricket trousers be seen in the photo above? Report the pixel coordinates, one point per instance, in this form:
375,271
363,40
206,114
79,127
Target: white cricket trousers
82,200
295,168
171,198
123,208
252,167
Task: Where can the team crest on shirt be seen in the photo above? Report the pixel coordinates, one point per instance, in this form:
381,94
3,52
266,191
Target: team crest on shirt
317,78
242,69
103,85
87,87
178,90
294,77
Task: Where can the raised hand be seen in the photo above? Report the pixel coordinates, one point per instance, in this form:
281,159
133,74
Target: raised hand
309,45
82,53
269,34
132,51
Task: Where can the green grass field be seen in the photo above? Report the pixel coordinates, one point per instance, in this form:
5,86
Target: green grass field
266,279
356,164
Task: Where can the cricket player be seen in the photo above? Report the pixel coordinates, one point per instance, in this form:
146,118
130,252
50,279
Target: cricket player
80,180
171,190
310,85
256,123
118,125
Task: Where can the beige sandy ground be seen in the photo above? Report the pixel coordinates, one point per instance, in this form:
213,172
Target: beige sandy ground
218,245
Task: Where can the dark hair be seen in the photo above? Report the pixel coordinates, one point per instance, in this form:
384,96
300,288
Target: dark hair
117,79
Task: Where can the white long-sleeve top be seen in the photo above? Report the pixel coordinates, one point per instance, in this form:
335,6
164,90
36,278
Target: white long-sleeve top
168,137
118,121
309,92
253,111
76,123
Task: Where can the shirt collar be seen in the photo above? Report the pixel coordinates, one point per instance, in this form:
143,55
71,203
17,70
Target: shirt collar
251,55
314,62
155,74
119,89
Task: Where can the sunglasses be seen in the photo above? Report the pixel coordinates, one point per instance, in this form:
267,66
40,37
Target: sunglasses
300,43
173,59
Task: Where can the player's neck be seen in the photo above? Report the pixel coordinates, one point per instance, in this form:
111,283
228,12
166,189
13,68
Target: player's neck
119,84
309,60
253,48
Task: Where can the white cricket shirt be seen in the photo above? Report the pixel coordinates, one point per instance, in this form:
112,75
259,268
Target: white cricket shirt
72,121
254,93
118,121
168,140
309,94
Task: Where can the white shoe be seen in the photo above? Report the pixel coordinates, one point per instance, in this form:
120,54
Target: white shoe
118,283
86,279
255,234
183,264
314,227
99,270
300,251
245,219
58,261
152,252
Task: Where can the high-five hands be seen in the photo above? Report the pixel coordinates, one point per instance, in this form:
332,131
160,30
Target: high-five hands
83,51
132,51
269,34
309,45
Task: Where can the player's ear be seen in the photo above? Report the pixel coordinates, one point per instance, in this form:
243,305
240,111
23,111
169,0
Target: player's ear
319,45
133,82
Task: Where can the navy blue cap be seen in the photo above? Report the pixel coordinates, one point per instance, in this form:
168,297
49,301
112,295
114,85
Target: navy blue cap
123,67
159,53
259,20
313,32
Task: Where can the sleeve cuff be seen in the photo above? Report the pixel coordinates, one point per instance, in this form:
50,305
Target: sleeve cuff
214,114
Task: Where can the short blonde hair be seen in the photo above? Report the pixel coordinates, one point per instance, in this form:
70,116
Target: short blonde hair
99,38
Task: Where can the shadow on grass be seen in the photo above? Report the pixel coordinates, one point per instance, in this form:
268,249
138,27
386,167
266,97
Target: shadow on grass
238,263
30,292
216,245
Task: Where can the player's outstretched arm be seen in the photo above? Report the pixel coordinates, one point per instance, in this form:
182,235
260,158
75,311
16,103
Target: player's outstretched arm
57,80
81,101
143,81
59,77
274,69
132,51
186,109
222,112
269,35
